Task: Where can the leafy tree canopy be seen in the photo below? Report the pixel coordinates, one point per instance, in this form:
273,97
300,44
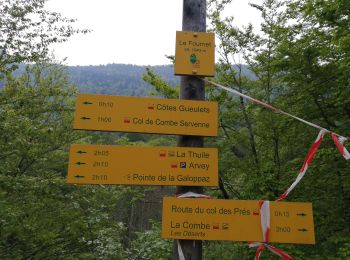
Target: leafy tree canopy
27,30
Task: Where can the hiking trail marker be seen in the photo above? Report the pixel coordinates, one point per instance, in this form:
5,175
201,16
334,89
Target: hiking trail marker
146,115
194,53
238,220
131,165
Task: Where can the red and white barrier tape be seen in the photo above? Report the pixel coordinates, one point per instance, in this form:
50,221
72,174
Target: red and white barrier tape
339,142
264,207
306,164
274,109
265,219
338,139
274,250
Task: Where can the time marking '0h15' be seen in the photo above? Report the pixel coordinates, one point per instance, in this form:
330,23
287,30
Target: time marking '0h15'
237,220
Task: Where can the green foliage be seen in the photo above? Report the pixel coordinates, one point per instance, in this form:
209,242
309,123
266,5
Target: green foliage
160,86
149,245
36,118
27,30
41,216
300,62
45,218
118,79
225,250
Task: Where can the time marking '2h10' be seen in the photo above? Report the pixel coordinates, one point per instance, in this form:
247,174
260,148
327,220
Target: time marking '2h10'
102,164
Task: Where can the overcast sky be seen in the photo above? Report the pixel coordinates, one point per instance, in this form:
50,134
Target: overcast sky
129,31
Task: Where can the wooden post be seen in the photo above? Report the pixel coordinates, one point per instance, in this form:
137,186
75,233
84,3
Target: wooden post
193,20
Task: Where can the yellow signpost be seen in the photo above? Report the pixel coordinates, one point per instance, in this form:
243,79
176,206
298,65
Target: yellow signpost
194,53
212,219
102,164
146,115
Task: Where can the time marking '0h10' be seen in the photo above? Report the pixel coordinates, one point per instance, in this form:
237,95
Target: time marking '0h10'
146,115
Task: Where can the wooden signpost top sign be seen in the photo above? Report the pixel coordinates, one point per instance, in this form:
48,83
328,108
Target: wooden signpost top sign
238,220
194,54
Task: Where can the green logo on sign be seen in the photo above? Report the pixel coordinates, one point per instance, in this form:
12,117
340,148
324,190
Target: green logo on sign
193,58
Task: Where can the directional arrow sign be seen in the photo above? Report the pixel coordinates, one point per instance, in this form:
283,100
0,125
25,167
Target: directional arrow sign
80,163
302,230
237,220
143,165
301,214
146,115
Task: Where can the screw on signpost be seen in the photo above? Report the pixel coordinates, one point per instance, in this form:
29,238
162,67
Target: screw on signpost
193,20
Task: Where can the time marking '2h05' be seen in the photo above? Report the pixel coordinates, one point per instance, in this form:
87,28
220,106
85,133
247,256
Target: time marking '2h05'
105,164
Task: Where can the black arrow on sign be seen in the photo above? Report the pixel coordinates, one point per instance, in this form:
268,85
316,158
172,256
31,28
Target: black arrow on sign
85,118
301,214
87,103
81,152
79,176
80,163
302,229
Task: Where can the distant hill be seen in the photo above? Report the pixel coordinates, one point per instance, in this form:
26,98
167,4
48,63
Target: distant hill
114,79
120,79
117,79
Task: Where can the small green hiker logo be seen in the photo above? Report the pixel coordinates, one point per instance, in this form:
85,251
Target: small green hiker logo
193,58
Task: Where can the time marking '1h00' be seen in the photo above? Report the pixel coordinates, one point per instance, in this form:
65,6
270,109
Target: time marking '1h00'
146,115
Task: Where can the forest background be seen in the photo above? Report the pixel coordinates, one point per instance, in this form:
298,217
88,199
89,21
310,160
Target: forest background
299,61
